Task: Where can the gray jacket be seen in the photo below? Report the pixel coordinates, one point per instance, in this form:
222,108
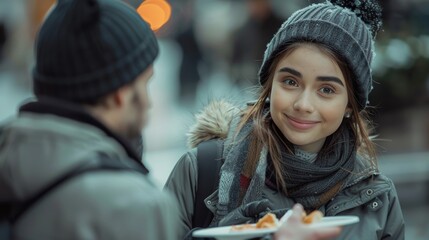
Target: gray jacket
372,197
36,148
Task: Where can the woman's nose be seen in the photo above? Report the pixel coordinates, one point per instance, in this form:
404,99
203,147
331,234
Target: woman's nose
304,102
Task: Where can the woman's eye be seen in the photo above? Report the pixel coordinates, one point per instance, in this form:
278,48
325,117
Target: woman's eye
327,90
290,82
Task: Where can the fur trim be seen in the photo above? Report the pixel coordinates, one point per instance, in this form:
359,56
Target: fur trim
212,122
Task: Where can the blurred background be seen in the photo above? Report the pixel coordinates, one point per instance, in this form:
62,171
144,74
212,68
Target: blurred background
212,49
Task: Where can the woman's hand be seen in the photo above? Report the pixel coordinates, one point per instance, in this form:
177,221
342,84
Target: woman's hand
295,229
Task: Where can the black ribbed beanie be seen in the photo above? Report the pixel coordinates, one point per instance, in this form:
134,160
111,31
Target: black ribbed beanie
87,49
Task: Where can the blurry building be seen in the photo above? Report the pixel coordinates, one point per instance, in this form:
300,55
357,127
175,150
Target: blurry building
250,40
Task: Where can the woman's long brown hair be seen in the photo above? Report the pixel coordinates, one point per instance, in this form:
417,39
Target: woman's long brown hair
265,132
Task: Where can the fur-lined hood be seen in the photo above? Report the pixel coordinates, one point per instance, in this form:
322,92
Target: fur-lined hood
212,122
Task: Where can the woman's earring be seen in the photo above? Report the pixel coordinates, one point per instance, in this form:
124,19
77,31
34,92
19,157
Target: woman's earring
348,115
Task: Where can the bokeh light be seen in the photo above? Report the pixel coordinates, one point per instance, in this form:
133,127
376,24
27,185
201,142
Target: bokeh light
155,12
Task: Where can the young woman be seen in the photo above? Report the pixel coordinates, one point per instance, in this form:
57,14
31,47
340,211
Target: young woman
306,139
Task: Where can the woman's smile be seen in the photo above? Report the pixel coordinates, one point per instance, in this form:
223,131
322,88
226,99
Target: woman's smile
300,124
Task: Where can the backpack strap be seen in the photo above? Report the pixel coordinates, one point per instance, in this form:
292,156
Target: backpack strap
209,161
101,163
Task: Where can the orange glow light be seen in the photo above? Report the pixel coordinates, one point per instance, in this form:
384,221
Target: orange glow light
155,12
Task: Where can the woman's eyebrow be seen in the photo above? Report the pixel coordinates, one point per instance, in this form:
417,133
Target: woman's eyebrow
321,78
330,79
291,71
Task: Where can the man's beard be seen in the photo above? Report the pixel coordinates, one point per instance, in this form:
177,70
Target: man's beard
133,129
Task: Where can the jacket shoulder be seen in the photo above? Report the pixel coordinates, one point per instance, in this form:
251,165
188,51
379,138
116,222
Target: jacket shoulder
184,172
110,205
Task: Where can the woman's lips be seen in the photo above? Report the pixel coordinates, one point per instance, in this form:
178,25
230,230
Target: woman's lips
300,123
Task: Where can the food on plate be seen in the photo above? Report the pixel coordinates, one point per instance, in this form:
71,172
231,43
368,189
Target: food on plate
270,221
315,216
241,227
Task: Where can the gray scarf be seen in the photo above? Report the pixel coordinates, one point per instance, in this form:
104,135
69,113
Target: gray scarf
314,184
311,184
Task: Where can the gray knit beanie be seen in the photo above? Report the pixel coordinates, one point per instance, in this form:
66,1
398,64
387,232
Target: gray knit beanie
87,49
348,27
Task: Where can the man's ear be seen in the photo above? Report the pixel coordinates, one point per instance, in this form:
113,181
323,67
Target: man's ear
120,96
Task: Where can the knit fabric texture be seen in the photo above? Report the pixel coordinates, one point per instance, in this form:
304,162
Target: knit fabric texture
312,184
87,49
307,156
332,25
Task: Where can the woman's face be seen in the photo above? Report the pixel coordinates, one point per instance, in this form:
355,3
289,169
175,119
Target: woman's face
308,97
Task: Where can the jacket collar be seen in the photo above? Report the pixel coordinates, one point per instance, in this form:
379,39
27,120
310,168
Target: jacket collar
77,113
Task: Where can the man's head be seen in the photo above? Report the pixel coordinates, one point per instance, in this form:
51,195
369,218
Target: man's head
97,53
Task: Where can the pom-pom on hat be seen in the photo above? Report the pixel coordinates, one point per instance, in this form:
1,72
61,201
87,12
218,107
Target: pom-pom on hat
87,49
349,27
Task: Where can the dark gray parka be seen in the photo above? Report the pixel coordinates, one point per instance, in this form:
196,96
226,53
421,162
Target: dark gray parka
370,195
47,140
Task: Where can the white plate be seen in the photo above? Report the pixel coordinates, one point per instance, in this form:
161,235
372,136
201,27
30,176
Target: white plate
225,233
335,221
